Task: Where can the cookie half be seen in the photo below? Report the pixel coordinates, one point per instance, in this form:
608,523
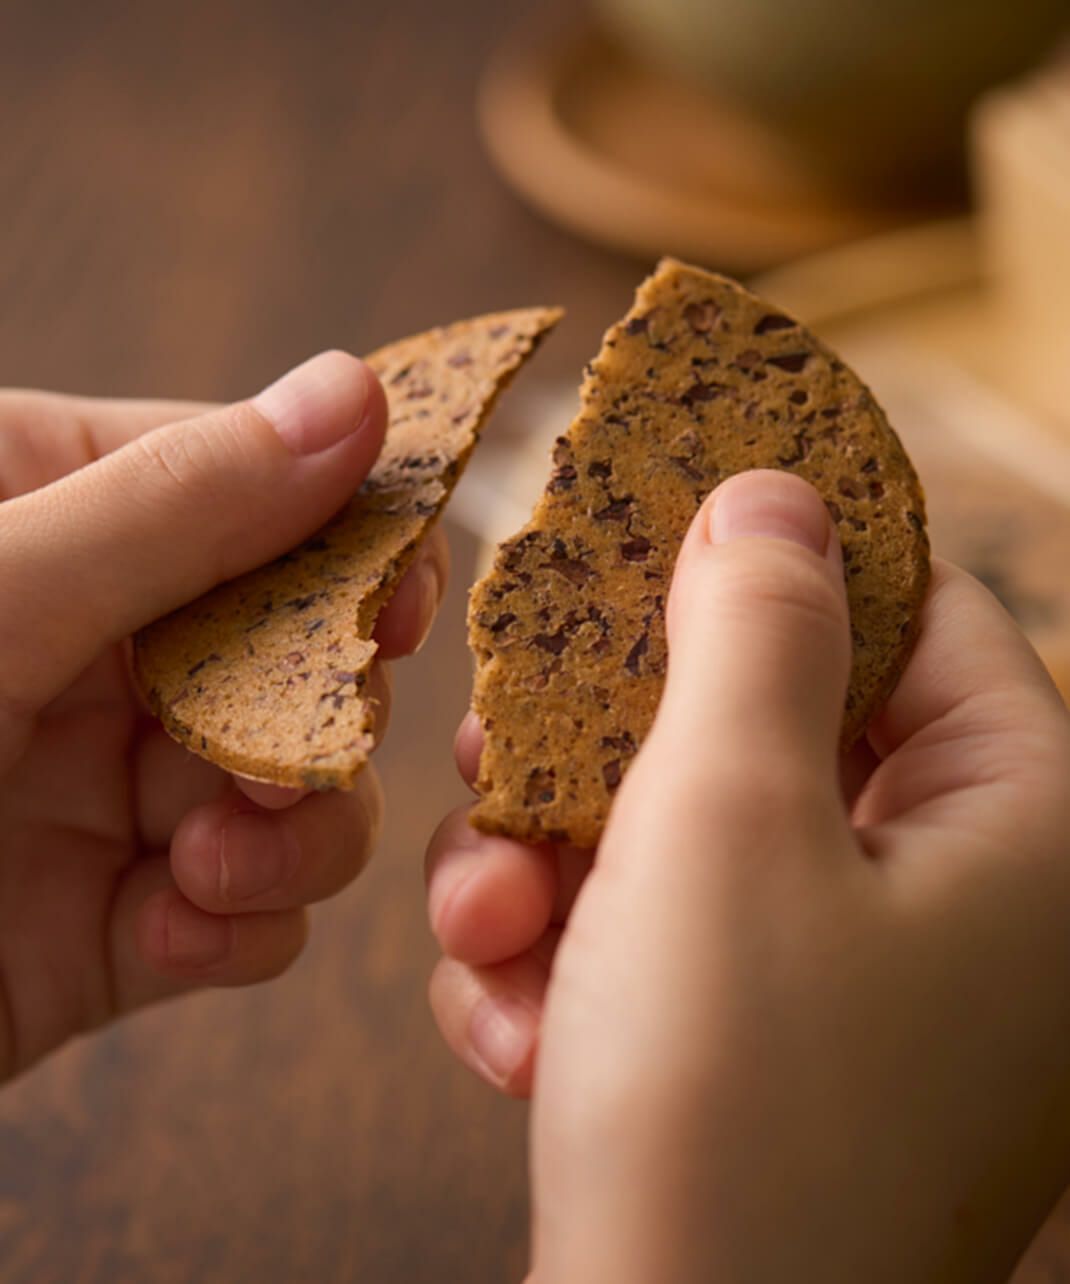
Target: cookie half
266,674
699,381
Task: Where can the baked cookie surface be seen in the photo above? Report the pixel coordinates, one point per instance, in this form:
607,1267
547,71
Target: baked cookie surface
265,675
699,381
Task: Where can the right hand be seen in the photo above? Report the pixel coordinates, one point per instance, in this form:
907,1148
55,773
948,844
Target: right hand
775,1032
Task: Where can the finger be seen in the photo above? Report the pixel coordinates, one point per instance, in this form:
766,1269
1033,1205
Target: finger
488,897
467,746
573,866
169,781
856,767
270,797
232,857
405,621
745,741
969,650
109,423
974,706
759,647
162,945
92,557
45,436
490,1016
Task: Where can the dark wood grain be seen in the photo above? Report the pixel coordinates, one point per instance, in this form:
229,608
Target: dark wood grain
192,198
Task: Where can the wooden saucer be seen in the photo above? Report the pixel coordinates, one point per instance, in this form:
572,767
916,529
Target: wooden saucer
639,161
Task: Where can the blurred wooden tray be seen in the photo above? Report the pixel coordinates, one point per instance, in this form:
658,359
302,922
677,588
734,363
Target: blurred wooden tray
641,162
912,316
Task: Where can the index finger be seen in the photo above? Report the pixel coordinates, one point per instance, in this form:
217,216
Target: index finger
44,436
467,746
971,659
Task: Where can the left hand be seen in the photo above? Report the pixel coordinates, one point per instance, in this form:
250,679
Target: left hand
131,870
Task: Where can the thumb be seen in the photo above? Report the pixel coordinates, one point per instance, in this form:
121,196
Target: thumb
92,557
759,643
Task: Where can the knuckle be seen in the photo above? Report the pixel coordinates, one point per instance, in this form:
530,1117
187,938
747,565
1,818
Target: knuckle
185,462
198,461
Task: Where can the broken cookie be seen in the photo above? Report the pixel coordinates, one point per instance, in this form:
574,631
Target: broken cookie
266,674
699,381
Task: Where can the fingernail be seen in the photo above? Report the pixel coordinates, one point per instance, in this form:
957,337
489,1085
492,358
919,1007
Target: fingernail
770,505
502,1034
318,403
430,592
196,939
257,854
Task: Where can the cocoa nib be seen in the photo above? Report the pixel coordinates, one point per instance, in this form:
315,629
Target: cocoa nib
303,603
460,358
512,554
562,480
631,662
798,453
635,550
617,510
575,571
555,643
774,321
702,317
850,488
502,622
637,325
599,468
611,774
792,362
700,391
208,659
540,787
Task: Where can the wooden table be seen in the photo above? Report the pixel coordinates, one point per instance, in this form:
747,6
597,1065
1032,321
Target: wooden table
191,199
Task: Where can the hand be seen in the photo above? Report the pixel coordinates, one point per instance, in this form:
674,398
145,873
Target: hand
795,1021
113,886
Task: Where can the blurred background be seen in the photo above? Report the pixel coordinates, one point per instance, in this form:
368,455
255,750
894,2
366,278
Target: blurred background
195,197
